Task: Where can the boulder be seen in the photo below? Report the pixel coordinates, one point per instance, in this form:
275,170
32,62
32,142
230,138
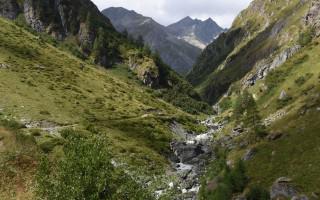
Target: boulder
249,154
282,188
283,95
274,136
4,66
300,197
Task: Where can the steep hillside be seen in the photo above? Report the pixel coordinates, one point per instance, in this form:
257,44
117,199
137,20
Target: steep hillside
177,53
263,33
45,91
268,146
196,32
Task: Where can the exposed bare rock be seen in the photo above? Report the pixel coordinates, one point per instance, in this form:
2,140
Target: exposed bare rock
300,197
313,16
283,95
249,154
282,188
9,9
32,16
266,65
274,136
274,117
4,66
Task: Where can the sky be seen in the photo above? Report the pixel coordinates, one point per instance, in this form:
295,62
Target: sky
169,11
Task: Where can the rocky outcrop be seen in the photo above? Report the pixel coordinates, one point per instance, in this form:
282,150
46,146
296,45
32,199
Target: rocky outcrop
64,18
9,9
282,188
313,16
266,65
32,16
250,153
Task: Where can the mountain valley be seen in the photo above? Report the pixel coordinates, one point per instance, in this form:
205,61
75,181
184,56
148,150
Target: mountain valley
88,111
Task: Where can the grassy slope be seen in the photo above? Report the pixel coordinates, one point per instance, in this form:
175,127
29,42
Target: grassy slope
44,83
296,154
258,42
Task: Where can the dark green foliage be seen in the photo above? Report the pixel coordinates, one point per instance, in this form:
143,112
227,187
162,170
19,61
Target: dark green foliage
227,181
140,41
105,51
302,79
236,177
48,145
11,124
177,91
225,104
306,37
177,97
275,77
281,103
84,172
246,111
258,193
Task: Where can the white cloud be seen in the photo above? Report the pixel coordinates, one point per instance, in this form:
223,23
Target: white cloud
170,11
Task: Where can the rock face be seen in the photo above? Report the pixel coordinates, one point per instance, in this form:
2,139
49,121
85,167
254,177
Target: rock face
9,9
196,32
282,188
313,16
63,18
177,53
266,65
32,16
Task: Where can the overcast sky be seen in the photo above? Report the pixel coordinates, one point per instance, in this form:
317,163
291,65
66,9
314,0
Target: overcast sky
170,11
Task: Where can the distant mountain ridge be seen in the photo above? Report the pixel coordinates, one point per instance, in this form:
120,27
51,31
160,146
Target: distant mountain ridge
179,54
175,50
196,32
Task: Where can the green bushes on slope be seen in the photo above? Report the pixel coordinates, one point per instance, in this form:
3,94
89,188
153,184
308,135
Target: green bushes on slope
85,172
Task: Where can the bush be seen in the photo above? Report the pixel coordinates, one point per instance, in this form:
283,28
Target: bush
281,103
11,124
50,144
225,104
258,193
306,37
302,79
228,181
85,172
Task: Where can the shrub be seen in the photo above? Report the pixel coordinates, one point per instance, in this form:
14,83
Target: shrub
306,37
226,103
50,144
85,172
258,193
35,132
300,81
11,124
281,103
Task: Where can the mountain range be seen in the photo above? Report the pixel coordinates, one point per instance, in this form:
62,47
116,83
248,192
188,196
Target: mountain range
87,112
179,44
196,32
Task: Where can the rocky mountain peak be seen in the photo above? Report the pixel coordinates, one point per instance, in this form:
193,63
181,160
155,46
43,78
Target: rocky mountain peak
157,36
195,31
